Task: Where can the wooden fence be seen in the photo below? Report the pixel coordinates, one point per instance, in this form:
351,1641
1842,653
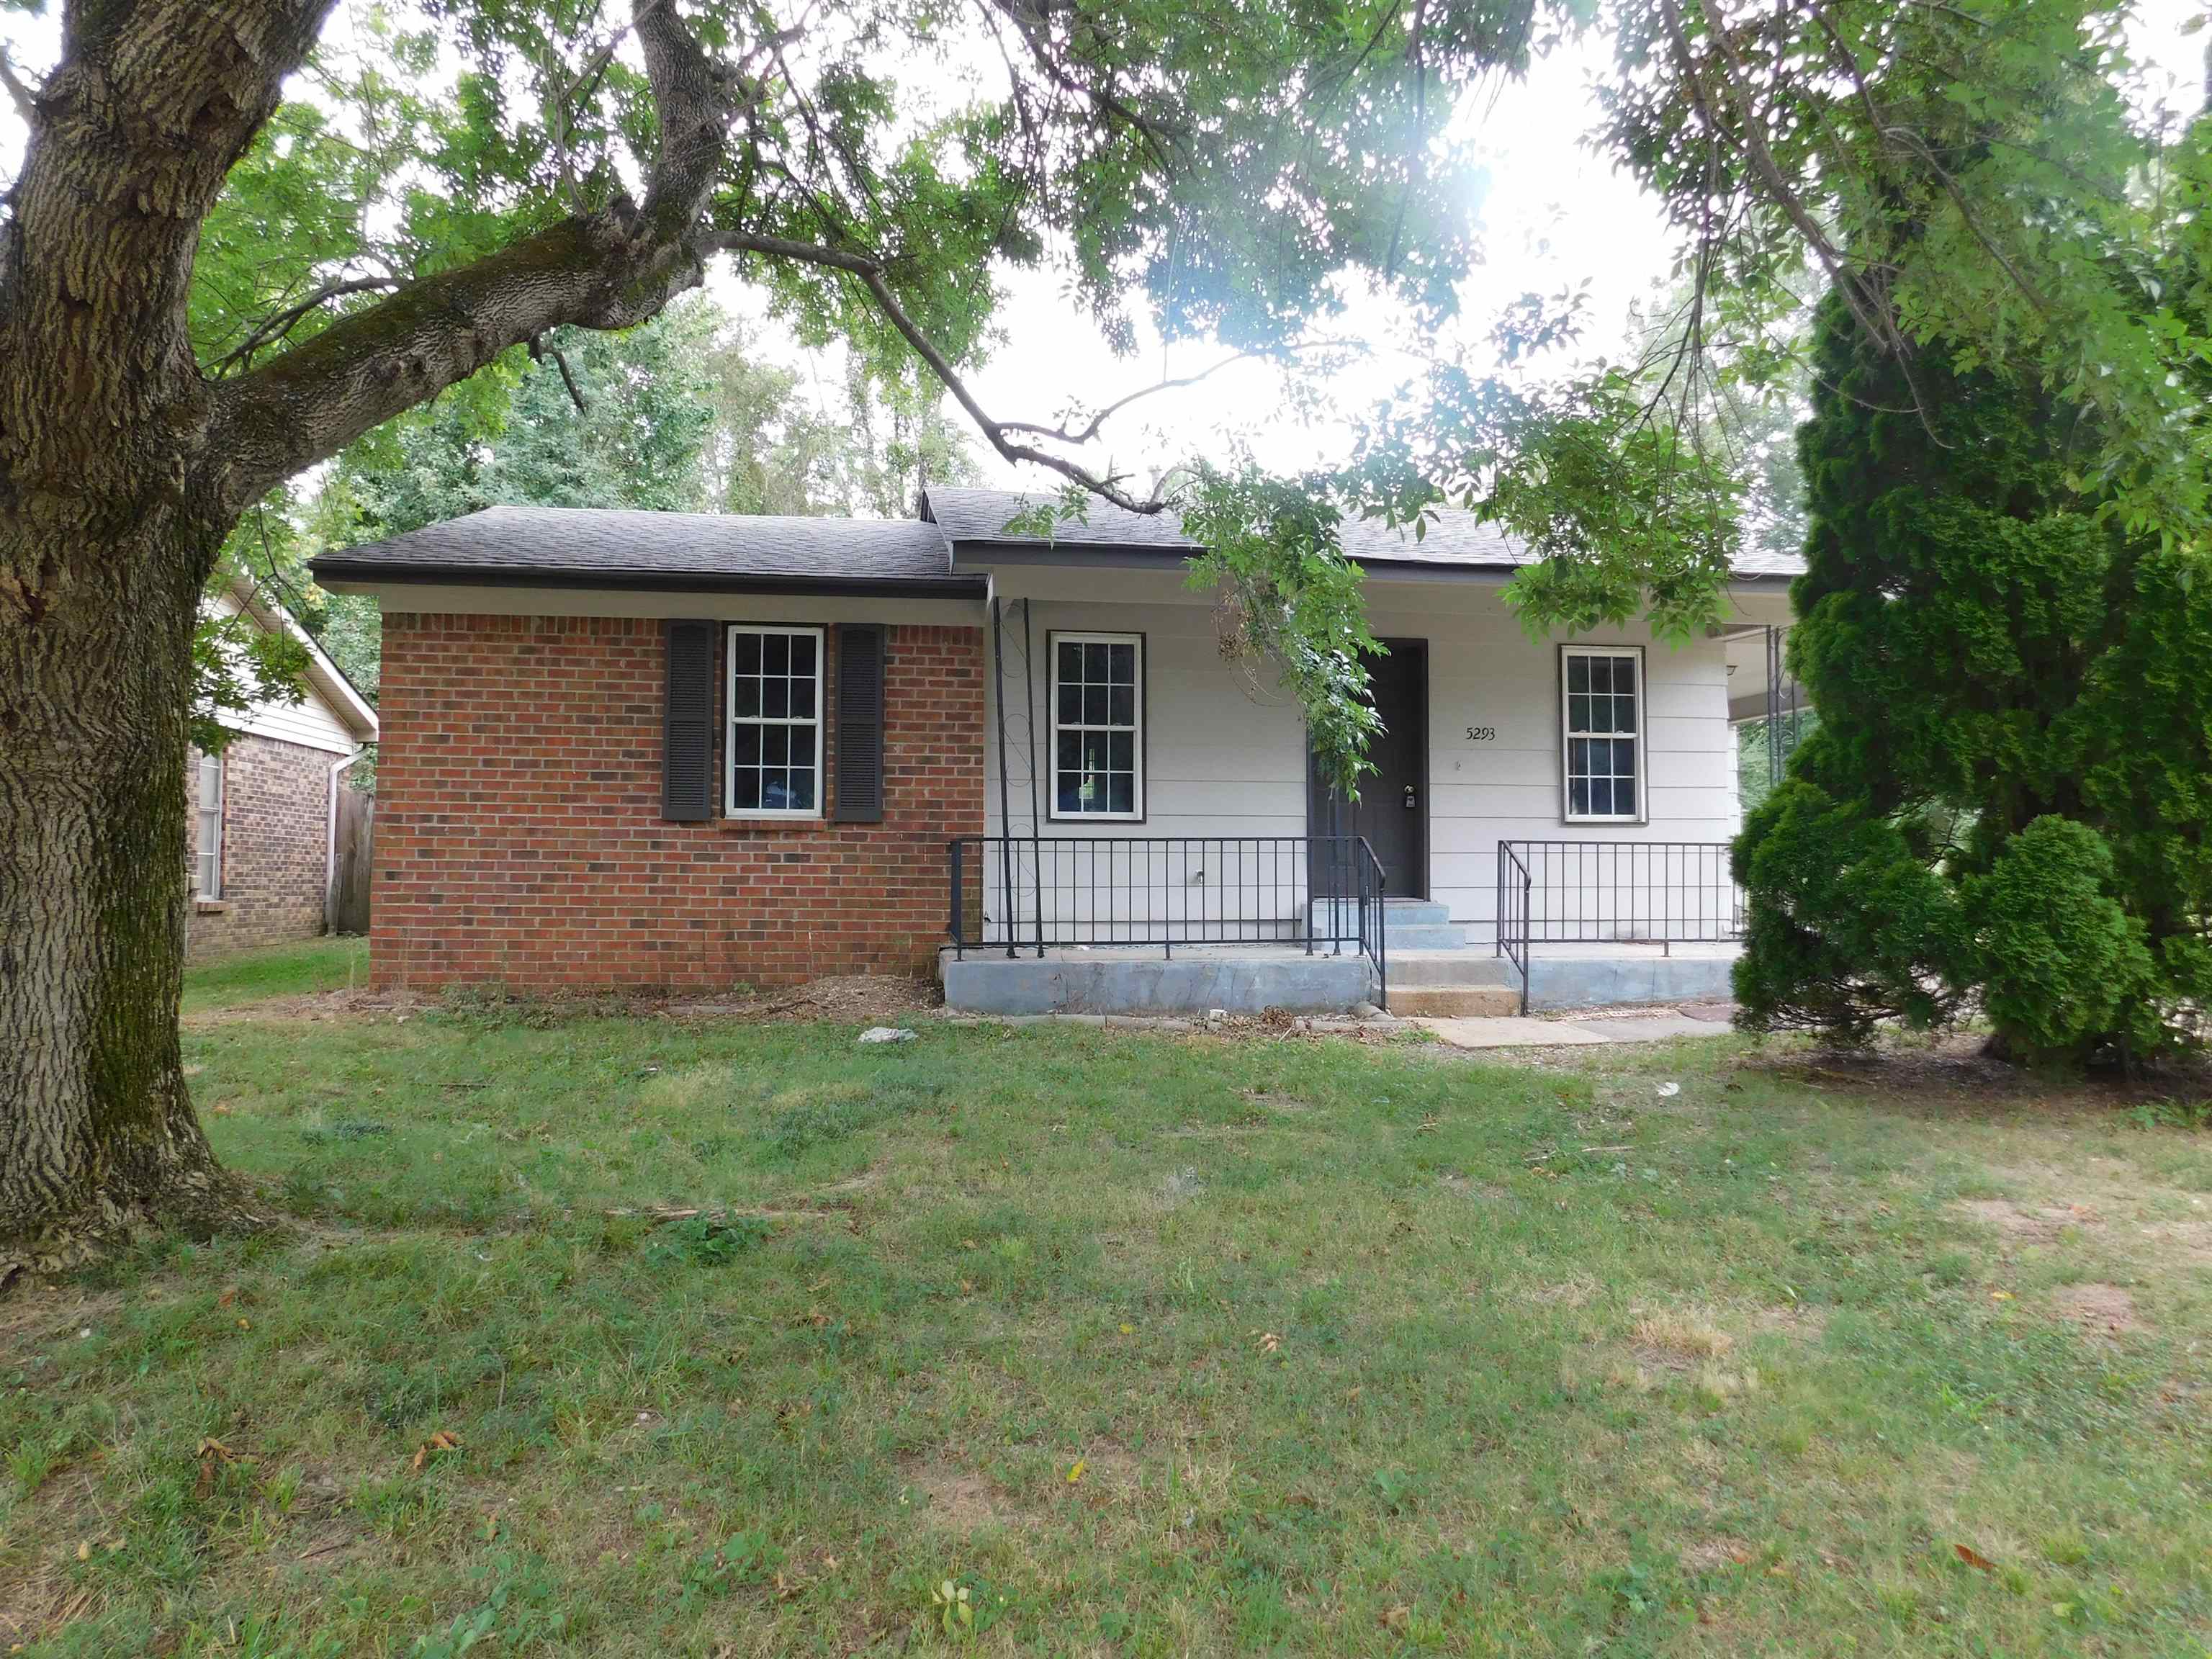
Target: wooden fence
356,827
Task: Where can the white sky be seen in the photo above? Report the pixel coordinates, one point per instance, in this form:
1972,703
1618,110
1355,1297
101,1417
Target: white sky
1553,217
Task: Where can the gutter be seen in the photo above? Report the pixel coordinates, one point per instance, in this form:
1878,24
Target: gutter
329,570
330,841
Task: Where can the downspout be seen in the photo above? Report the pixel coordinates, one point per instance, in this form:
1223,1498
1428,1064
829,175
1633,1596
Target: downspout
330,841
1037,848
1006,809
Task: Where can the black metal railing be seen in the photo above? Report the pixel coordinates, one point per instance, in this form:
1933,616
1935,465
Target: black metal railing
1027,895
1514,885
1589,892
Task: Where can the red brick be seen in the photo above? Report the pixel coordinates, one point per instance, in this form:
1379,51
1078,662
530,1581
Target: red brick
519,840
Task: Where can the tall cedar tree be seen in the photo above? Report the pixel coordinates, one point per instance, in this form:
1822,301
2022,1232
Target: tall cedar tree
2007,801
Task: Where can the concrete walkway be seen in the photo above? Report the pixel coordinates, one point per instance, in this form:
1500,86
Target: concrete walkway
1656,1026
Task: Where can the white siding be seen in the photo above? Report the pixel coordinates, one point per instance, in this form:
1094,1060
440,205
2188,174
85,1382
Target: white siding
1226,757
311,722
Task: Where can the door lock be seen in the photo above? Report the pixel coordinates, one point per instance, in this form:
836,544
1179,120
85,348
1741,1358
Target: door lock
1409,798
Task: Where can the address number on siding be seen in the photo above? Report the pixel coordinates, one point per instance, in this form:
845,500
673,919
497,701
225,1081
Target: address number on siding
1482,734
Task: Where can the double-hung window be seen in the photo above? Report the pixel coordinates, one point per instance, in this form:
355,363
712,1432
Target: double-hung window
207,830
1601,707
1098,726
775,749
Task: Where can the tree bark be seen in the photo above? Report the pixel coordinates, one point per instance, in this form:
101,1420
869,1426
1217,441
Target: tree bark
97,1132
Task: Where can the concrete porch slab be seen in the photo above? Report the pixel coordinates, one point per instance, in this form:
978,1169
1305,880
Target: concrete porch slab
1243,979
1510,1032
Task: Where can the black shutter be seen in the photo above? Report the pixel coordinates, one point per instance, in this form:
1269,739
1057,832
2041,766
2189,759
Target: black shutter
687,747
859,723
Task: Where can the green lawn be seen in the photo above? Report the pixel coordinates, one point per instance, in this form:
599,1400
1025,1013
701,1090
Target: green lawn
314,964
1150,1344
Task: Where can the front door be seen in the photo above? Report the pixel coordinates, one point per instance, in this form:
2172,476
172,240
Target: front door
1393,808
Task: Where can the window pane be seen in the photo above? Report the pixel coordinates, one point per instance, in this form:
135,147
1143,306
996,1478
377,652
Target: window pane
745,790
1624,714
1094,751
1121,751
1601,797
1600,714
1071,703
745,745
1578,712
1577,673
1094,705
1069,793
1578,796
1121,793
802,655
1094,664
744,697
1070,750
775,745
776,653
745,653
775,789
1122,706
1071,661
211,785
775,698
802,788
1601,673
1121,661
1578,757
802,699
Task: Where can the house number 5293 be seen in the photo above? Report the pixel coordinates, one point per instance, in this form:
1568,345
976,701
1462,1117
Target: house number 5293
1481,734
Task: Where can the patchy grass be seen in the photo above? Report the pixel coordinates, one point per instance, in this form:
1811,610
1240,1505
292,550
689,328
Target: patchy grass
1150,1343
337,962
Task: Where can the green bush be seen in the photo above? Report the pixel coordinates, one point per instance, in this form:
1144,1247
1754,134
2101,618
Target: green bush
2063,969
2008,802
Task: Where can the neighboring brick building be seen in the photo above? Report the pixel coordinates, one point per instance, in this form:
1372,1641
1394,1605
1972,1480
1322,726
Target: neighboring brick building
258,833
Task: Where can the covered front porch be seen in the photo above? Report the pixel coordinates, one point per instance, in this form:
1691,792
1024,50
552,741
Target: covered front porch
1185,925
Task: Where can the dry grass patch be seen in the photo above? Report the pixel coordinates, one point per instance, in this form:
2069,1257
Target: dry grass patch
2102,1310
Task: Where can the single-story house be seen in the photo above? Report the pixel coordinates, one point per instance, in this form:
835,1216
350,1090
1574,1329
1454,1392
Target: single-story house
627,749
261,841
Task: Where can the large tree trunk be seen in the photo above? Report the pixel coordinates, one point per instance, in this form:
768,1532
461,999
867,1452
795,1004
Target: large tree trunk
97,1134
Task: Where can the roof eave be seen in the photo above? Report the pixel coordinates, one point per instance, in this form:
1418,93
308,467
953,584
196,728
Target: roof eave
361,575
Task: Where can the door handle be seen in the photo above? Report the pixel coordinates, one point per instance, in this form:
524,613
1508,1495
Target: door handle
1409,798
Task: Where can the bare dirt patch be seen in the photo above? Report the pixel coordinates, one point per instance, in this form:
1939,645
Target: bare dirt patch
840,998
2101,1310
2039,1224
1711,1554
958,1499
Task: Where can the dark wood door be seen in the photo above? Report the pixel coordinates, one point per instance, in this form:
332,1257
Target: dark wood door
1393,808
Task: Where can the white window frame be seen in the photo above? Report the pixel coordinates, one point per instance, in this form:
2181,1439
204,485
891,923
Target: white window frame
205,860
1053,641
1568,734
732,720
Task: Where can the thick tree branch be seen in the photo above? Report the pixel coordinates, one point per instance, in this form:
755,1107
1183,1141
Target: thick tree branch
612,268
19,93
278,325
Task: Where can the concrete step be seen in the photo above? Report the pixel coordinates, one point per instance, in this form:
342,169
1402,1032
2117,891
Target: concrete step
1423,936
1453,1001
1411,912
1456,967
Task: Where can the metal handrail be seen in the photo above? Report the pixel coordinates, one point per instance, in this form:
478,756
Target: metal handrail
1024,894
1654,892
1514,885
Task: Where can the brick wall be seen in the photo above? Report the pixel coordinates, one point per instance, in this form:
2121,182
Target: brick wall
275,836
518,834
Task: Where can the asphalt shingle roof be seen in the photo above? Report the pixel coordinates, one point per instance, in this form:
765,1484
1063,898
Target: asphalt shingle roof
1454,538
595,546
618,545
